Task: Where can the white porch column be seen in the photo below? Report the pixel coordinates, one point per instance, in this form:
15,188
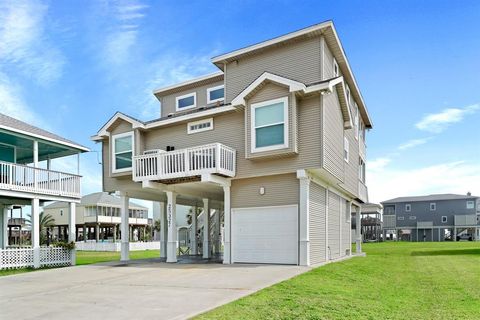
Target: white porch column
172,226
3,227
304,219
227,225
124,228
217,231
358,227
163,229
206,229
193,237
72,229
36,232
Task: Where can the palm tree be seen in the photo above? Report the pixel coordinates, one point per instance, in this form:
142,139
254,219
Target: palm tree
46,221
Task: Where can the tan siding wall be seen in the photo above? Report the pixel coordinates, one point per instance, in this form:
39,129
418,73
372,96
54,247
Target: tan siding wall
279,190
268,92
351,168
333,136
299,61
169,103
317,223
121,127
328,61
334,221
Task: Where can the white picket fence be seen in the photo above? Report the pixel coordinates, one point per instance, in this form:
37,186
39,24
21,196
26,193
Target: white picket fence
116,246
24,257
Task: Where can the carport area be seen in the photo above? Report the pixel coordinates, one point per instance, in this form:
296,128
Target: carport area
141,289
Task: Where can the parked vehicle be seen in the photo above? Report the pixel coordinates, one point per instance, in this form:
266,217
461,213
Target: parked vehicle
465,236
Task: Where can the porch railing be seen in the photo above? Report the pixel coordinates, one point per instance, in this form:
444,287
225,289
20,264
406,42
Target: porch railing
211,158
24,257
23,178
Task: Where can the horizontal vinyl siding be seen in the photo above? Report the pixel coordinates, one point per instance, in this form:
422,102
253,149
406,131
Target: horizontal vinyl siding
351,168
333,136
279,190
269,92
169,101
299,61
334,221
317,223
328,63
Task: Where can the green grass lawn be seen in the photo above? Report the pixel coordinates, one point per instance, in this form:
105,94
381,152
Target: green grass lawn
90,257
395,281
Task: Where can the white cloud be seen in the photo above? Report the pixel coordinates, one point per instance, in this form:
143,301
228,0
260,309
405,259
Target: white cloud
438,122
24,43
454,177
378,163
413,143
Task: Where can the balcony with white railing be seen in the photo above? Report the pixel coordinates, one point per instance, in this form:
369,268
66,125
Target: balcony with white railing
362,191
192,162
22,178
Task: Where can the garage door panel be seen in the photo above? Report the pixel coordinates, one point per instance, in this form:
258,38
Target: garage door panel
265,235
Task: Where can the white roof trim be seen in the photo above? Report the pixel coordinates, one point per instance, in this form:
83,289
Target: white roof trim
292,85
103,131
29,134
191,81
271,42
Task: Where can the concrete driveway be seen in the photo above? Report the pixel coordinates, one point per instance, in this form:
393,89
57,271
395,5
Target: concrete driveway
145,289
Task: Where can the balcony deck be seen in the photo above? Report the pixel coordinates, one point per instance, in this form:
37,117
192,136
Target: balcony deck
185,164
21,178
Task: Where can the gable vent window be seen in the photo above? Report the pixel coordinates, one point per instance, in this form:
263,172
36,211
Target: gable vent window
215,94
346,149
433,206
199,126
444,219
187,101
400,218
413,218
408,207
335,68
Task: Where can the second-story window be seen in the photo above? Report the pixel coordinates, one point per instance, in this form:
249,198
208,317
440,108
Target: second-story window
408,207
186,101
215,94
433,206
122,152
346,149
444,219
361,170
470,204
269,125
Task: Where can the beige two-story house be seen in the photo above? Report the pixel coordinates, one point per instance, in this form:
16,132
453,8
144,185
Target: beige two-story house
275,140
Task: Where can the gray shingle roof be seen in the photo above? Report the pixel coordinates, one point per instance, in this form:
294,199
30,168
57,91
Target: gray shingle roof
8,122
97,198
431,197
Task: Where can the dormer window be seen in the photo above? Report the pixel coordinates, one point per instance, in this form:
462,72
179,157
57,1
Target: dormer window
186,101
215,94
270,125
336,71
122,152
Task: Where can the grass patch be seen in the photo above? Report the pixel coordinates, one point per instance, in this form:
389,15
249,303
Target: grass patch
402,280
91,257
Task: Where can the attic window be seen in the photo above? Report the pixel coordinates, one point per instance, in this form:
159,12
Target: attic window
186,101
335,68
346,149
199,126
215,94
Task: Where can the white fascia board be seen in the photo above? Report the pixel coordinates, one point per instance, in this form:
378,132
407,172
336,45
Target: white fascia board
293,86
39,136
191,81
102,133
190,116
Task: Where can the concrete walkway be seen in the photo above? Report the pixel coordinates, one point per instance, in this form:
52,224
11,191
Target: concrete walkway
144,289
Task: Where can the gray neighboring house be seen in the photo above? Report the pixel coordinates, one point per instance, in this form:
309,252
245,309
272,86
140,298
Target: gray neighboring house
272,146
436,217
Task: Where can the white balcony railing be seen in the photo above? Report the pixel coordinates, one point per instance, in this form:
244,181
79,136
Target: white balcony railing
362,192
23,178
212,158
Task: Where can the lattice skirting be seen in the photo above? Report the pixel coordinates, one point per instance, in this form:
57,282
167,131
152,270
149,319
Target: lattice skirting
23,257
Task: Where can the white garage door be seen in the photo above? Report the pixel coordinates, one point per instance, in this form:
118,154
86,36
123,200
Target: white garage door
265,235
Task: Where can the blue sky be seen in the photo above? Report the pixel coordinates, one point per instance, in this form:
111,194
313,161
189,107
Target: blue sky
67,66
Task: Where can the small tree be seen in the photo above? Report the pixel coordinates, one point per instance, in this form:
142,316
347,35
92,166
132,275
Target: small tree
46,221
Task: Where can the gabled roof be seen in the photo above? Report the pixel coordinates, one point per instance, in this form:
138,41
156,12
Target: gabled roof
431,197
117,116
14,125
324,87
327,29
97,198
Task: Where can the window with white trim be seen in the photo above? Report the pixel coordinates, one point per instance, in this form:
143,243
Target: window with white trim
361,169
408,207
433,206
122,152
269,125
470,204
356,120
412,218
336,71
186,101
215,94
346,149
199,126
400,218
444,219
